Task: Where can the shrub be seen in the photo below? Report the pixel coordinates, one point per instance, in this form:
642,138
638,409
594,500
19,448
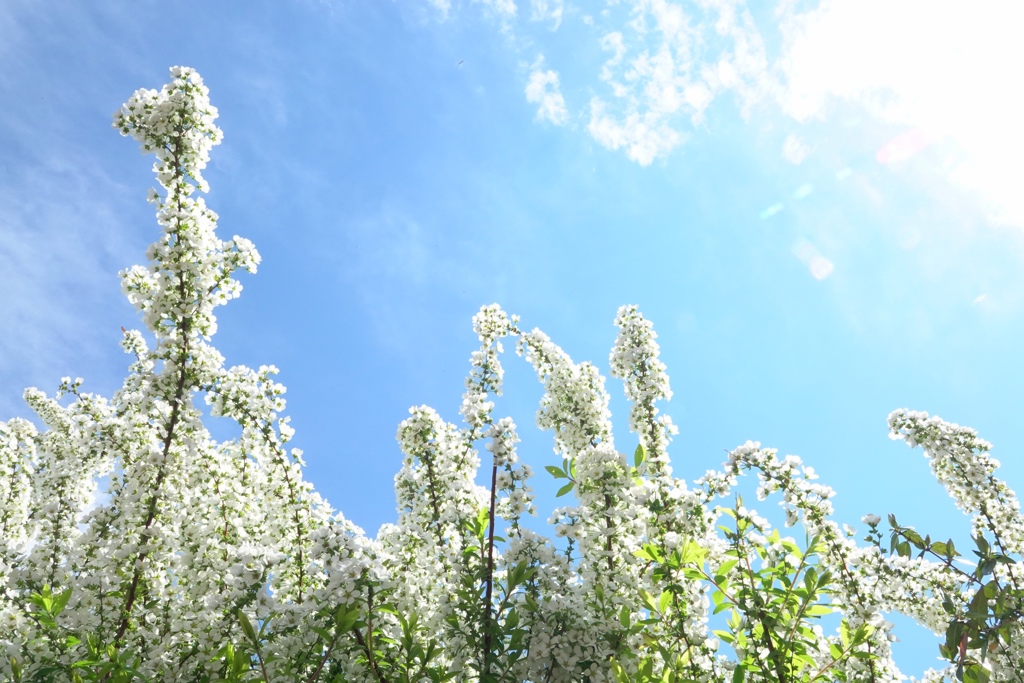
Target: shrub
207,560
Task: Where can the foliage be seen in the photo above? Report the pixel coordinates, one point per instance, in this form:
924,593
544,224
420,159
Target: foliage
206,560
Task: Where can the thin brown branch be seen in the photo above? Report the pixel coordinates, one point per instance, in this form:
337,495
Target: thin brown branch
488,592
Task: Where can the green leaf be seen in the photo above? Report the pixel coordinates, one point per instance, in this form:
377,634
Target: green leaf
725,636
649,552
954,634
844,633
42,599
647,667
618,672
639,455
649,600
914,538
565,489
693,553
60,601
247,629
663,600
556,472
979,605
985,567
862,633
346,620
982,544
480,524
737,674
721,607
976,673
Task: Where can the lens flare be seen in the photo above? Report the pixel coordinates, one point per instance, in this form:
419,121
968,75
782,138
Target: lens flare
904,146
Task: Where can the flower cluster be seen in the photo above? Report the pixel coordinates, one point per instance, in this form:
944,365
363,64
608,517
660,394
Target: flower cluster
960,462
188,532
634,359
981,611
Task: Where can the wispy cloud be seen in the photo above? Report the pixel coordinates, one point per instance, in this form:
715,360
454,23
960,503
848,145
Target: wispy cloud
547,10
66,225
504,9
666,66
644,136
932,67
63,241
442,6
543,90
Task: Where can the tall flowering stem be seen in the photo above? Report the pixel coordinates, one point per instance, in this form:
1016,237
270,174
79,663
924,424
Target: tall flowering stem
982,610
152,574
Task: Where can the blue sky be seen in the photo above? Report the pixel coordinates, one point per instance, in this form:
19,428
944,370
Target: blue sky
818,205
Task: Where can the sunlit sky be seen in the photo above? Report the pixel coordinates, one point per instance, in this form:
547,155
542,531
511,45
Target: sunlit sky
818,205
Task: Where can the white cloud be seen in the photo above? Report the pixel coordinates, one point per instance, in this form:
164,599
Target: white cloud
944,71
941,67
795,150
612,42
503,8
935,66
543,90
65,233
442,6
547,10
644,136
667,64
